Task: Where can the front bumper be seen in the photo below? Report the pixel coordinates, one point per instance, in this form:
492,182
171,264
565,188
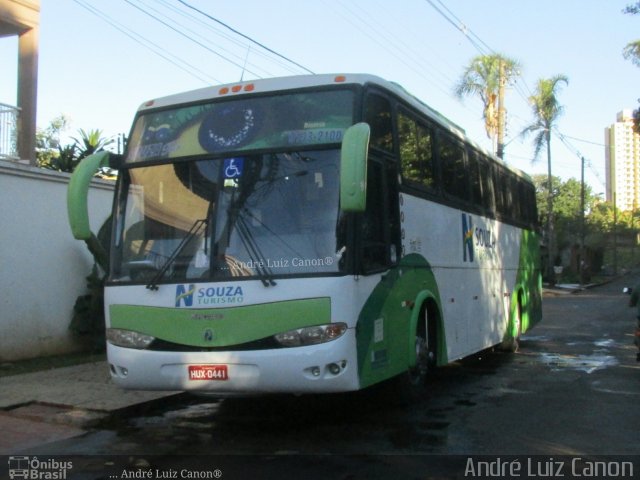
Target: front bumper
324,368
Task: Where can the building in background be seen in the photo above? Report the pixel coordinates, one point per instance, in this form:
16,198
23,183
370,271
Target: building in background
21,18
622,161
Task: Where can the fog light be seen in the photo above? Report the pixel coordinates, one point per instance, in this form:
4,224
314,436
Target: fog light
334,368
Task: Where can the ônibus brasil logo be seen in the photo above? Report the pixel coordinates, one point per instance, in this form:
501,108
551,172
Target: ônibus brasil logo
30,468
188,295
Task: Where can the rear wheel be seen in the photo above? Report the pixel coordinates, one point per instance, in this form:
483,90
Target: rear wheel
512,343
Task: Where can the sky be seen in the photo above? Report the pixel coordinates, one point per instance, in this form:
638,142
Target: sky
100,59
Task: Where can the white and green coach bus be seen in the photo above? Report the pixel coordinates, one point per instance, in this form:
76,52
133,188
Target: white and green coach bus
307,234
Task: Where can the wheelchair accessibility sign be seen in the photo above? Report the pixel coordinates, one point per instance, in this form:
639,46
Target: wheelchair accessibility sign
233,167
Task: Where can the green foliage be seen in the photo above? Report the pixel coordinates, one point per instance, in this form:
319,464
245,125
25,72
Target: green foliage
482,78
48,140
65,161
632,9
91,142
51,154
88,312
566,207
632,52
546,110
88,319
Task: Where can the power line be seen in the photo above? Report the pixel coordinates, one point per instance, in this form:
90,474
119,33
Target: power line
228,37
476,41
575,151
242,67
388,45
585,141
398,48
192,34
244,36
150,45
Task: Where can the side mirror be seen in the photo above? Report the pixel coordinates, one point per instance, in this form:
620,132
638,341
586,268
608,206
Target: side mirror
77,207
353,168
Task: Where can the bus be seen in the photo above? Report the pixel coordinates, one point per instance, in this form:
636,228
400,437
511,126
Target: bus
307,234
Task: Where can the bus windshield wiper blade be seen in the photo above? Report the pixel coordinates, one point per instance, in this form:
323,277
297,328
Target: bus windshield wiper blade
249,242
193,231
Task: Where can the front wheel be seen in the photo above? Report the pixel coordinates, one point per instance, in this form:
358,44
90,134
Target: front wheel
411,383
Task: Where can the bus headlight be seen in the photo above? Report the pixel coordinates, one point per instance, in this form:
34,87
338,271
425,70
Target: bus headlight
128,338
311,335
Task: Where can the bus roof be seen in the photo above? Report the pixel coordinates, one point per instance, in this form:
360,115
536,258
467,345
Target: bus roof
295,82
309,81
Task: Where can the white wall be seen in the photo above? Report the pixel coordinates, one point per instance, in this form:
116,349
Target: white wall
42,267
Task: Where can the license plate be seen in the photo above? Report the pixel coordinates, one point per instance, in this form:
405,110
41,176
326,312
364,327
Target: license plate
208,372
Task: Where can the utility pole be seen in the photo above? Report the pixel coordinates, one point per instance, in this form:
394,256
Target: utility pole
615,235
583,261
501,111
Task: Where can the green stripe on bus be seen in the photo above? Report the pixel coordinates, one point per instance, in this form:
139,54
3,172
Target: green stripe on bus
230,326
528,284
387,321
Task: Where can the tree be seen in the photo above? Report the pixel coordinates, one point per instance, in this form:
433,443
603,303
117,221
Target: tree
90,142
53,155
483,77
546,110
567,207
48,140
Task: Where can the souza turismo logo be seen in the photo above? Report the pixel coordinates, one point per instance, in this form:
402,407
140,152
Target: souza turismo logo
188,295
485,240
467,238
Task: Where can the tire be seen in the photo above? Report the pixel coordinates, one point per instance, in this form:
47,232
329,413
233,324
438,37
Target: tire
512,343
410,386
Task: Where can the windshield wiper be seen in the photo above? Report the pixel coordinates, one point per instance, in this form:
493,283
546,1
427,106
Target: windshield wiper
193,231
257,258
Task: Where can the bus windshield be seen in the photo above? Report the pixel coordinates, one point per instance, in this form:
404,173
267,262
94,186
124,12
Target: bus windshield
261,216
255,123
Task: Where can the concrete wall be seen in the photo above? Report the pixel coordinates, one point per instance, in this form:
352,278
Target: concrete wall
42,267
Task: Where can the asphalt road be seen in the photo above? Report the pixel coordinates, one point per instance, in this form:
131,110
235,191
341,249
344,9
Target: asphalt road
572,389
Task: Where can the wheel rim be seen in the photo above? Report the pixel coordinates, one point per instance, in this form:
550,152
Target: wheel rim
418,373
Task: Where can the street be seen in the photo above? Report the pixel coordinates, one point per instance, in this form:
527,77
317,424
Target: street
572,389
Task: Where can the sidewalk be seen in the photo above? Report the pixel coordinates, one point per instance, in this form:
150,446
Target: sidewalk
50,405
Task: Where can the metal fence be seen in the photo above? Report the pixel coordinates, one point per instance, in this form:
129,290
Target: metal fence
9,132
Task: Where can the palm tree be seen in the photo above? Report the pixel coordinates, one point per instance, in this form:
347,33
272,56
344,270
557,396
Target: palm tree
90,142
483,77
546,110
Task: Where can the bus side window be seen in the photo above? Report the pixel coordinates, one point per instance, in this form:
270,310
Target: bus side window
416,153
531,209
486,179
377,114
474,174
380,224
452,164
498,183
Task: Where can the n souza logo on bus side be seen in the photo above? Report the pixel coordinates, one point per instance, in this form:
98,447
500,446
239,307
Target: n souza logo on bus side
188,295
475,237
